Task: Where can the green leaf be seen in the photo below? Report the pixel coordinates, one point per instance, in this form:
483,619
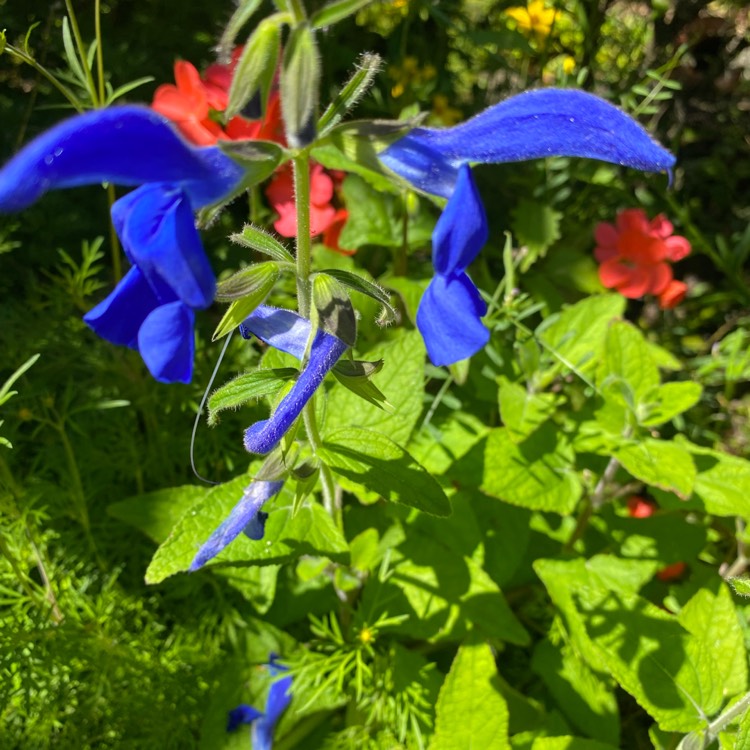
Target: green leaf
355,379
310,532
575,337
536,474
471,712
362,285
332,309
156,513
332,157
336,11
627,372
256,67
300,82
670,400
367,460
585,698
401,380
659,463
248,281
569,743
521,410
376,218
251,385
741,585
258,158
260,240
537,226
366,67
717,647
445,440
723,481
71,56
643,647
126,88
256,283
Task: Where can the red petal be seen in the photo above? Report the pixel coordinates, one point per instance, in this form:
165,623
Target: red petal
660,277
672,295
677,248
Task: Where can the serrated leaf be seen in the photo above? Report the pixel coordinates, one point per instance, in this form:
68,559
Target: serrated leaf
537,226
471,713
643,647
336,11
401,381
723,481
659,463
368,460
367,66
256,67
300,81
741,585
670,400
521,410
260,240
252,385
310,532
259,281
537,474
575,336
364,286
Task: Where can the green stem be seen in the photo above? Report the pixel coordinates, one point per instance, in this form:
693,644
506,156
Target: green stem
298,11
99,51
301,164
81,51
28,60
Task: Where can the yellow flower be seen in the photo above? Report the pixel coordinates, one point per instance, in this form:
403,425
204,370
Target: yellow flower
444,112
534,19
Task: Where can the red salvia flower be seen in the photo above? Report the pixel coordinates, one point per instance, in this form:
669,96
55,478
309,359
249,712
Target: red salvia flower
635,256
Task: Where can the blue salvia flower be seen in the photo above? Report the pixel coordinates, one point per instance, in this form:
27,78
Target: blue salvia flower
153,308
289,332
246,517
532,125
264,723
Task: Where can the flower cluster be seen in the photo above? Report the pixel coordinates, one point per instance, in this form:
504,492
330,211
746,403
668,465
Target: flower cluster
634,256
153,308
536,124
535,19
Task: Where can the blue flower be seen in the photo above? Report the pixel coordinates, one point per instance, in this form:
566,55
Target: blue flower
153,308
246,517
532,125
289,332
264,723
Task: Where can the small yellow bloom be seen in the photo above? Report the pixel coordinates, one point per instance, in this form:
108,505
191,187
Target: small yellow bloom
568,64
534,19
444,112
366,635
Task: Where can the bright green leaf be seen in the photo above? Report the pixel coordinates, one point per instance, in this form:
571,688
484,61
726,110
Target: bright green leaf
537,227
257,282
659,463
260,240
471,712
369,460
670,400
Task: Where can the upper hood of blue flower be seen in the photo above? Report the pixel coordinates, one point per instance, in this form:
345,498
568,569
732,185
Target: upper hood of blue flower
126,145
532,125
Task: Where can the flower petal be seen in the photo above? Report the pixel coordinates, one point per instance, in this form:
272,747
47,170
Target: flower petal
124,145
243,714
461,230
673,294
532,125
263,436
242,515
279,697
118,317
449,319
677,248
156,226
279,328
166,343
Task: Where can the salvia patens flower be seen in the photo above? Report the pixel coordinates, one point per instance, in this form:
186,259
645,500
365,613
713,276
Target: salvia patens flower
532,125
153,308
246,517
264,722
289,332
635,255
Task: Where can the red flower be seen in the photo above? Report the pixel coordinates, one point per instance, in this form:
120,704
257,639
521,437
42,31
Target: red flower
635,254
333,233
672,572
280,194
640,507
